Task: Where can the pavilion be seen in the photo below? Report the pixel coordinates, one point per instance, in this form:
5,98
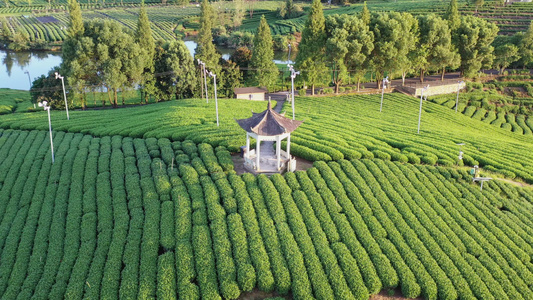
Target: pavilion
268,126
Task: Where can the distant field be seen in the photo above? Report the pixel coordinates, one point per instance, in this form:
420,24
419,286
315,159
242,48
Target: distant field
170,22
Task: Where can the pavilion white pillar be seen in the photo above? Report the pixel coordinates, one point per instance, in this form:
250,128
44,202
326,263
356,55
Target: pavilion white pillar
247,155
289,146
258,151
278,149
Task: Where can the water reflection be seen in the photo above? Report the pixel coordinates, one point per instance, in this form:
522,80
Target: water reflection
36,64
16,63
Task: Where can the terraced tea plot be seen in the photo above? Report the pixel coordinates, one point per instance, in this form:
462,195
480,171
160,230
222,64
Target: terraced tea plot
143,218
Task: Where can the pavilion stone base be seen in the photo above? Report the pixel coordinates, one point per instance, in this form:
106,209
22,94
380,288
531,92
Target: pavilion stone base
268,165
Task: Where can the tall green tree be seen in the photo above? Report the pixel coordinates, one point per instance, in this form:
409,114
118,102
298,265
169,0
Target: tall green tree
525,45
474,39
364,15
436,51
238,13
114,56
311,54
505,55
143,37
395,36
349,46
48,88
75,28
452,15
206,50
264,68
178,80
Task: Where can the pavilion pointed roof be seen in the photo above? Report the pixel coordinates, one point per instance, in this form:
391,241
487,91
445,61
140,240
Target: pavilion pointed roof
268,123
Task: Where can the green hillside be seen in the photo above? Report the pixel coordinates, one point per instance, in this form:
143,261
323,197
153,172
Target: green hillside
336,127
118,217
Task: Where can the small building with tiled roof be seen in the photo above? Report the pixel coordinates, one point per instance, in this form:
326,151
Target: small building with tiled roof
273,127
250,93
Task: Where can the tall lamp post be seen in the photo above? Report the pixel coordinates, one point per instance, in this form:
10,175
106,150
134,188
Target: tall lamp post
29,80
201,76
58,76
46,107
385,81
211,74
458,88
205,79
420,112
460,157
293,75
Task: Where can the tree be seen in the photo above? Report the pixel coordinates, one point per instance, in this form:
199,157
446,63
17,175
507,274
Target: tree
452,15
289,10
205,49
75,28
365,14
525,45
395,36
6,32
505,55
178,73
238,13
114,57
242,58
311,54
478,3
232,78
436,51
48,88
349,46
474,39
406,43
264,69
143,36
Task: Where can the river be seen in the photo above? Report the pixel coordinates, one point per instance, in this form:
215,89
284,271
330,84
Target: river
18,66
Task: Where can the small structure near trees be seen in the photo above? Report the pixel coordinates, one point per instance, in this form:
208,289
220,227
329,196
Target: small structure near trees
268,126
250,93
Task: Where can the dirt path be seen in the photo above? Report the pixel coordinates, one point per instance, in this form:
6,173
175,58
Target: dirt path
516,183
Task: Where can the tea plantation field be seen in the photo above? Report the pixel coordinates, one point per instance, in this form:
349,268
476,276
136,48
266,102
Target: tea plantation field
339,127
122,217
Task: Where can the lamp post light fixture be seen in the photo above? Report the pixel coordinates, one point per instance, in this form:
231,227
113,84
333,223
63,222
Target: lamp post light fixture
205,79
46,107
460,151
293,75
458,88
385,81
58,76
420,112
211,74
29,80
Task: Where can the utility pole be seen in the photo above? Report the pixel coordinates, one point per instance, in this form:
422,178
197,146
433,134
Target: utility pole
458,88
29,79
420,112
385,81
293,75
201,77
46,107
58,76
211,74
